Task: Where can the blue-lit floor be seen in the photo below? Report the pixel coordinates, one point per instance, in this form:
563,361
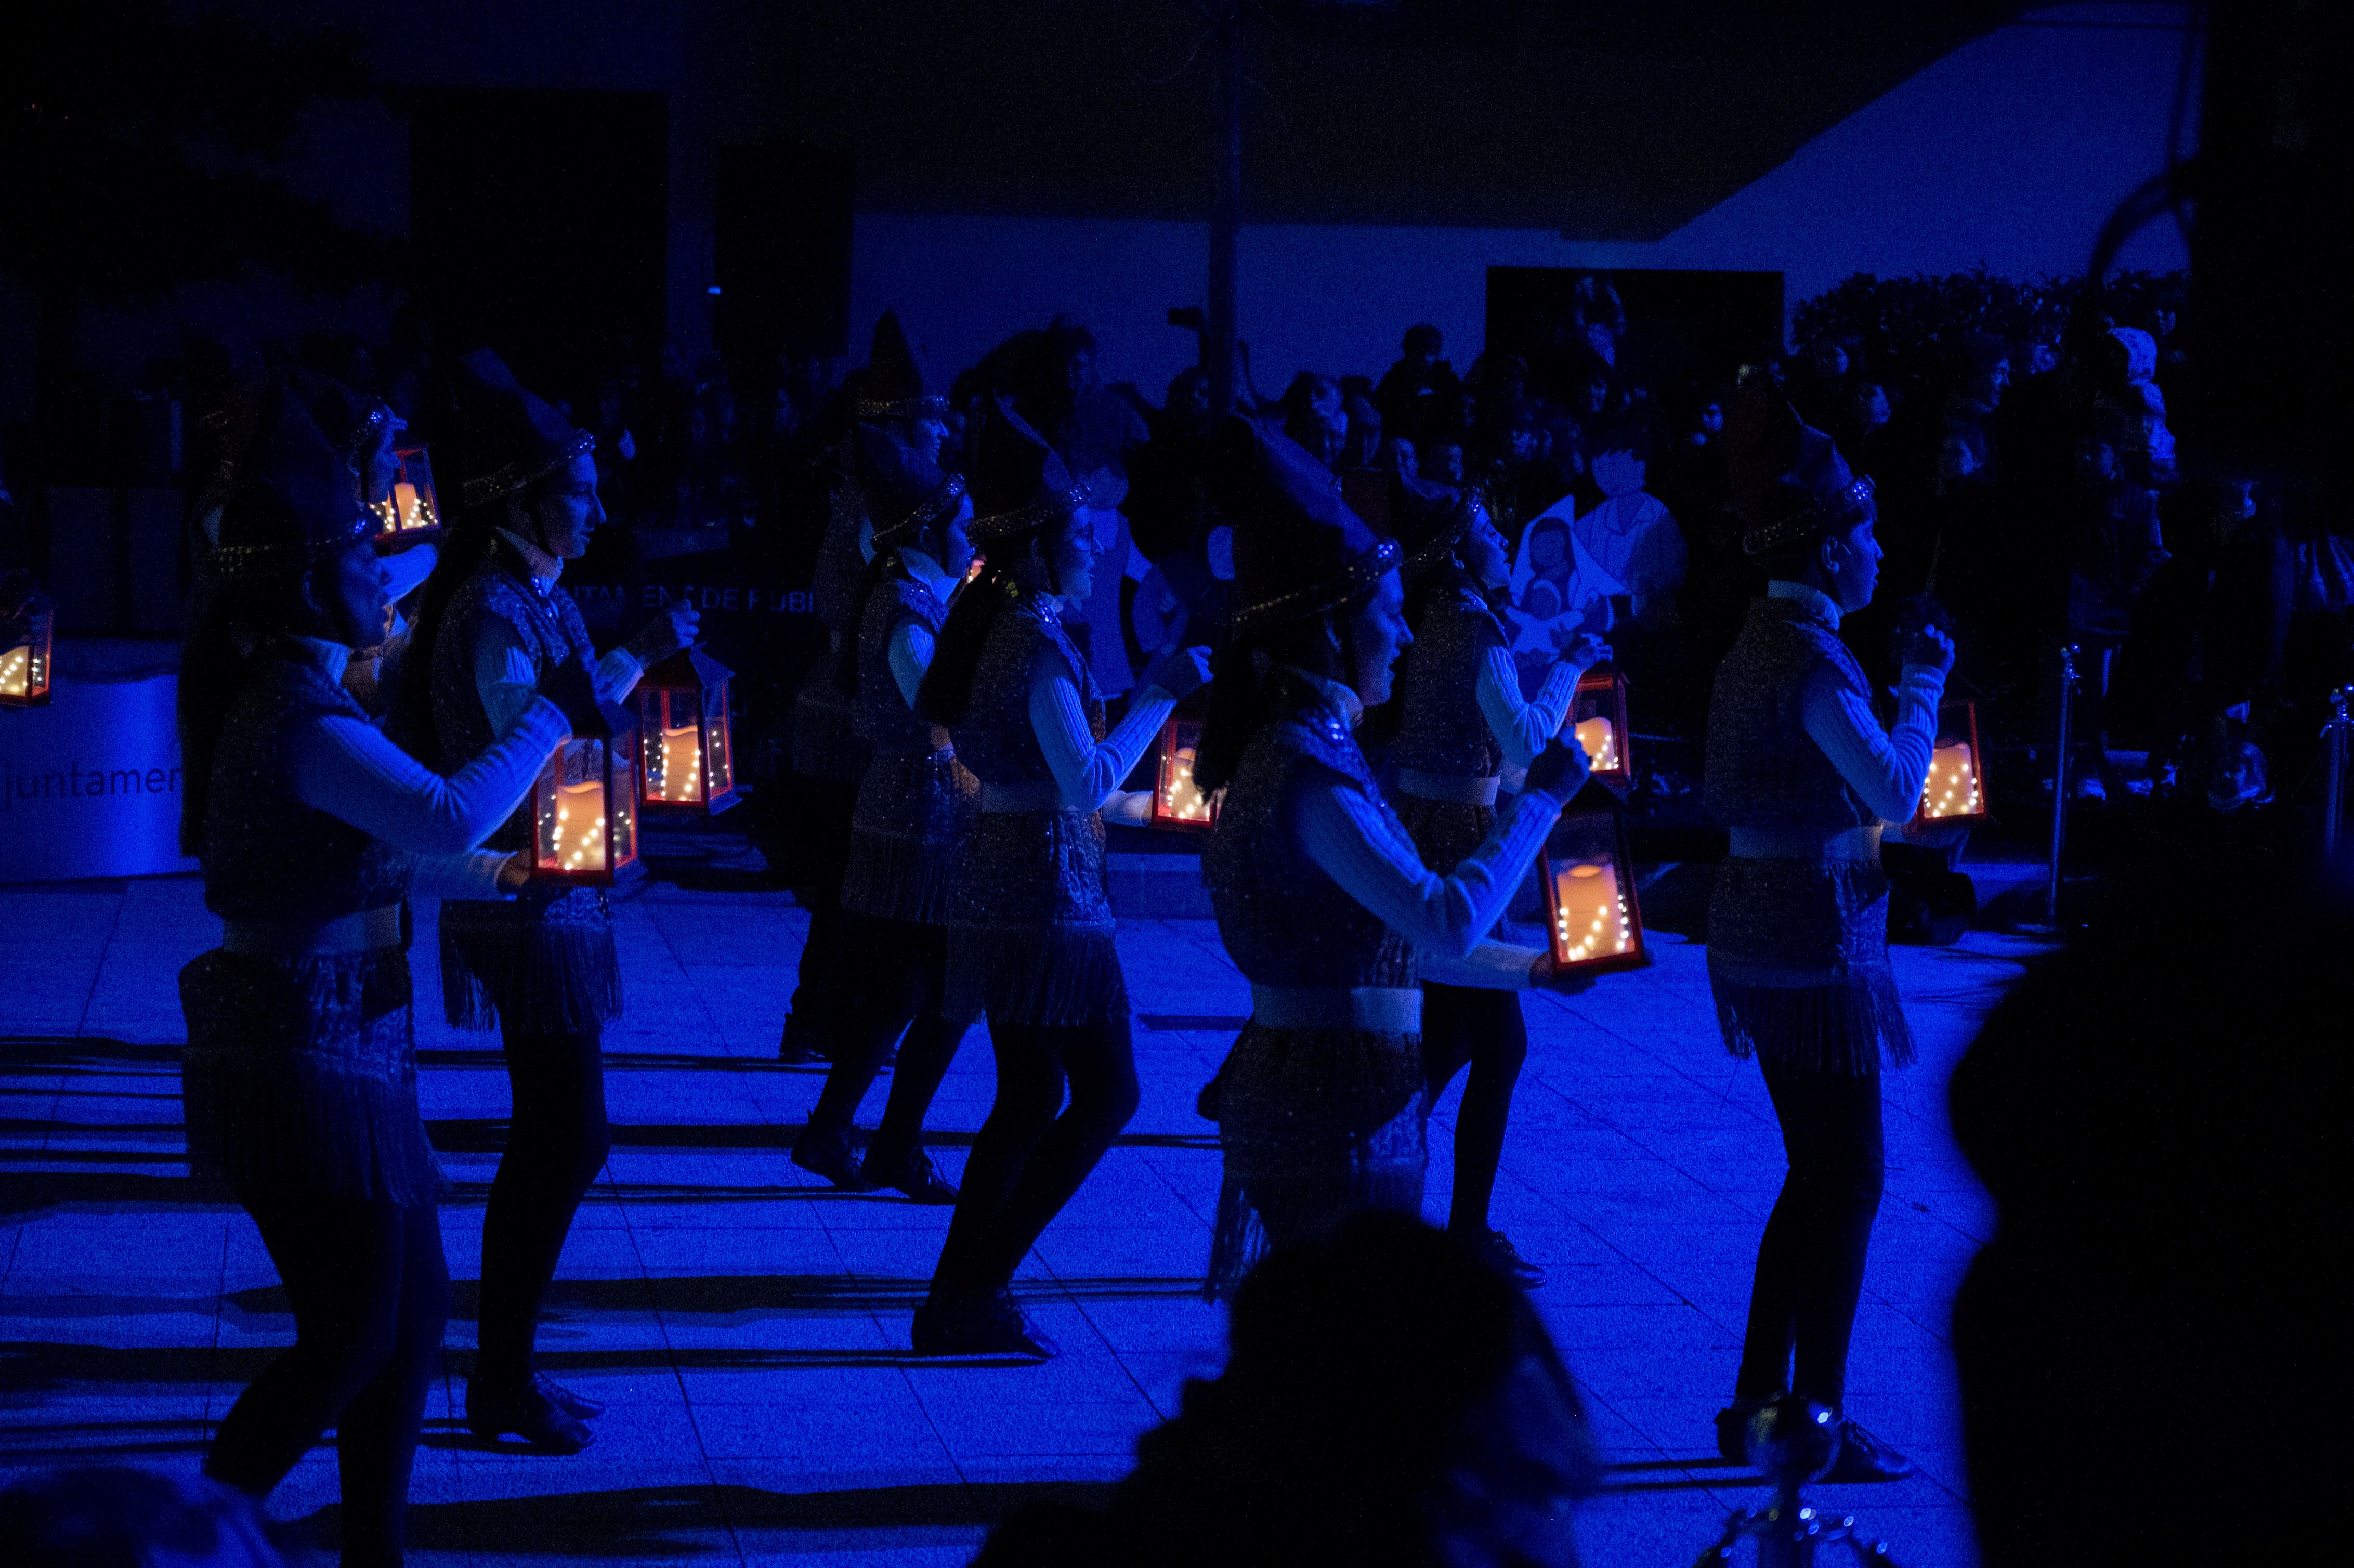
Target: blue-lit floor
749,1324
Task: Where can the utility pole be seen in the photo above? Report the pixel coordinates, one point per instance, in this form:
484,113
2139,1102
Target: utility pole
1218,358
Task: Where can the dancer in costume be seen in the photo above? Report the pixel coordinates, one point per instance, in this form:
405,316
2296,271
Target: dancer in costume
300,1080
1030,933
1800,770
914,806
1461,722
540,968
1321,899
829,755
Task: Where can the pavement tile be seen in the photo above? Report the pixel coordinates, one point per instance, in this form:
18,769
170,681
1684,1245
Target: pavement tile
748,1324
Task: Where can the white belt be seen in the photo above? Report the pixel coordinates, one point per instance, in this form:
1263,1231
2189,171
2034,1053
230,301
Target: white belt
1393,1010
1807,844
1044,795
1448,789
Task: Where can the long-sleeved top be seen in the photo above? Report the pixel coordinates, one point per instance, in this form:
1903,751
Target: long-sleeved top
1522,728
1088,771
912,642
1446,918
1887,768
347,768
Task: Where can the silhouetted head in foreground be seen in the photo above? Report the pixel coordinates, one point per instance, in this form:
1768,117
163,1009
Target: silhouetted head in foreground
118,1516
2152,1349
1390,1401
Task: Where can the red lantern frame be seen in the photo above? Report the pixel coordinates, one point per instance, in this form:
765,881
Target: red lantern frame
1176,803
410,512
1597,718
689,752
1593,921
589,773
28,657
1956,782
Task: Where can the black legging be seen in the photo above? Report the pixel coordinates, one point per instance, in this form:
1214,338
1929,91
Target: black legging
1486,1029
820,1001
1810,1263
370,1294
899,971
556,1142
1028,1160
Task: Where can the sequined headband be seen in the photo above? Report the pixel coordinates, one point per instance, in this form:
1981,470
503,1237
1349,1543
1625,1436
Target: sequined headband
1850,507
901,408
939,504
1443,544
248,561
1052,507
524,470
1299,603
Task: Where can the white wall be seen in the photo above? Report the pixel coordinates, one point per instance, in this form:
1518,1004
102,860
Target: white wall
2008,154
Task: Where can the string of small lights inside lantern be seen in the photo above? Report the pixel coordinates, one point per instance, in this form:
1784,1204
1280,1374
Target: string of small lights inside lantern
1952,789
1580,949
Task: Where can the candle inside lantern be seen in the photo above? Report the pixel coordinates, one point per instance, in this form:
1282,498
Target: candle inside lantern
572,828
405,506
676,770
1590,916
1952,789
1179,797
1599,738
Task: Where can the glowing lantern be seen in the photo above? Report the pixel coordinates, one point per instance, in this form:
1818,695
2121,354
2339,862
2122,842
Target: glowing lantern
27,631
1598,717
1176,803
683,714
409,512
1590,914
583,809
1956,789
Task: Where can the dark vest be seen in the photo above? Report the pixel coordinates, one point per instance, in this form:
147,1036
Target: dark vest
885,720
551,631
1283,920
267,856
544,961
1762,769
994,738
1440,727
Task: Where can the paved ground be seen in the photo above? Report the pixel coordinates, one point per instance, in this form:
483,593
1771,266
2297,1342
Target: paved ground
749,1326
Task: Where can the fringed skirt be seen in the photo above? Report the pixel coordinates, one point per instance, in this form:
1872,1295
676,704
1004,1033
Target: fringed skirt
1798,958
914,809
543,964
1318,1125
301,1077
1030,930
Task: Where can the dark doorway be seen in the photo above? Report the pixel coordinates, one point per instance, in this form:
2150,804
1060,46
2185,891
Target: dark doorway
540,223
1682,328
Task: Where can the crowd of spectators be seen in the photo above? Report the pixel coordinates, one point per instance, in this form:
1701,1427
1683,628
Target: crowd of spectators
2020,436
